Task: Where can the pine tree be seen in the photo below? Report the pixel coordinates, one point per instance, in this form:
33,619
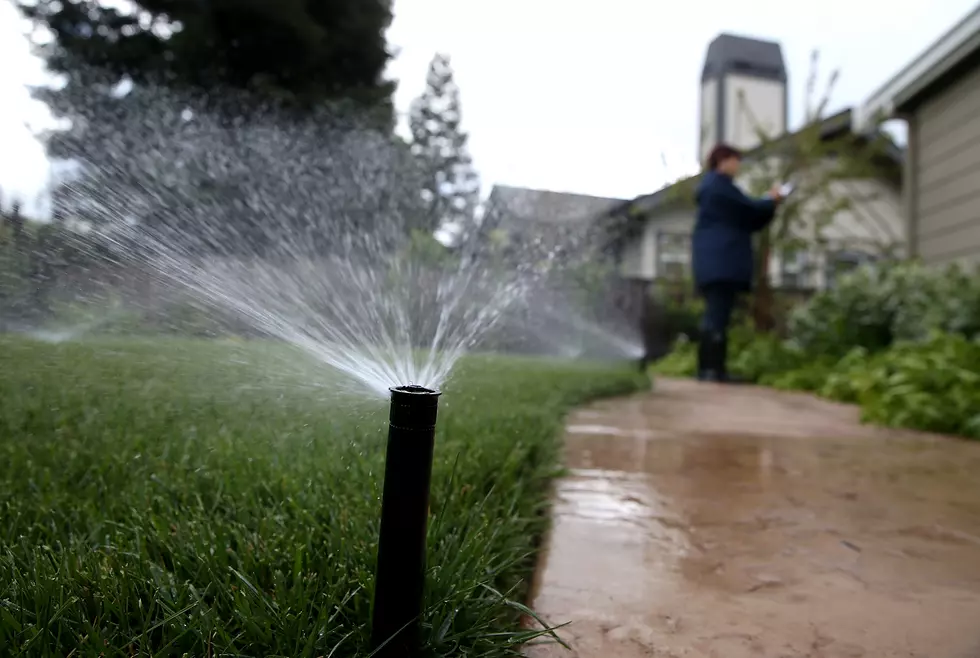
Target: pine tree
204,79
304,51
452,188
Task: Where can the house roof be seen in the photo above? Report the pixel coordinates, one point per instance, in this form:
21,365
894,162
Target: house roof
923,73
731,53
546,206
830,128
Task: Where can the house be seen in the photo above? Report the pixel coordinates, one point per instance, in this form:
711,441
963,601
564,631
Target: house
542,227
522,218
743,92
938,96
520,206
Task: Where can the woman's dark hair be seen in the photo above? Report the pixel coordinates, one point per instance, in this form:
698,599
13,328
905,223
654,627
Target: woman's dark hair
721,153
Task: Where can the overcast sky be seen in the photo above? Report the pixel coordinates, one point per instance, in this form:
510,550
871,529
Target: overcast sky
575,96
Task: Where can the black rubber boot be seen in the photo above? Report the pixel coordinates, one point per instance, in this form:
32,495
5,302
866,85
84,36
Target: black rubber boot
711,357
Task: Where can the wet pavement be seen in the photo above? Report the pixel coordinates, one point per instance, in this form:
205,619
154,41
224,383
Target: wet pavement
709,521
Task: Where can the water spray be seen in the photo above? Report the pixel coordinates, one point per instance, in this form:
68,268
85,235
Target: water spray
400,576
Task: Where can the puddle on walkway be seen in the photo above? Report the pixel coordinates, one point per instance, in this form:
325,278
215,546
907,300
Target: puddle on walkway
609,430
693,528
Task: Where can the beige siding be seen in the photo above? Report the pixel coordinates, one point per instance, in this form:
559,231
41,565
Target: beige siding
946,159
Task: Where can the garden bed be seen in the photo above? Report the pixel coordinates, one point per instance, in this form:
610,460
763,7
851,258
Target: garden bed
903,342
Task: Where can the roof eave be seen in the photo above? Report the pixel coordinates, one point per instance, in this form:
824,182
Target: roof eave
942,56
908,97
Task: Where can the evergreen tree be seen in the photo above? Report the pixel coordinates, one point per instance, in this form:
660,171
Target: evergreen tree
300,50
212,90
452,187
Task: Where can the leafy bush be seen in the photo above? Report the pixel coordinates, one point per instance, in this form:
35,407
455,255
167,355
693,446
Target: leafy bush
754,356
946,301
202,498
932,385
877,305
682,361
811,378
857,311
847,379
675,297
903,342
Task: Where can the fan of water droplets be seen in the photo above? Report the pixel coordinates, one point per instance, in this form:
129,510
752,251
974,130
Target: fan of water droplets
300,227
565,328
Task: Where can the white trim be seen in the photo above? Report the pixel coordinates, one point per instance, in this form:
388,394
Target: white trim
941,56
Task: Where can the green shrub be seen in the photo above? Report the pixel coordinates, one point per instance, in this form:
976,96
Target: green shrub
877,305
203,498
857,311
677,310
809,378
945,301
900,341
682,361
932,385
847,378
752,357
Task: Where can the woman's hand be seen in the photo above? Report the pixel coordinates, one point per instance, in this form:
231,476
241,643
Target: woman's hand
776,193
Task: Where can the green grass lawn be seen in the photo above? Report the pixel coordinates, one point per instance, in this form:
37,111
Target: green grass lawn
198,498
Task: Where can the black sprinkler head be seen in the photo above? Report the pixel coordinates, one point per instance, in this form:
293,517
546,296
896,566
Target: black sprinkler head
400,575
413,408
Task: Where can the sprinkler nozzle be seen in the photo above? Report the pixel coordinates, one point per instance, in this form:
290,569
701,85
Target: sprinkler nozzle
400,576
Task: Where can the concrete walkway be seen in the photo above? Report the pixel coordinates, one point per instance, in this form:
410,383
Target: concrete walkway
702,520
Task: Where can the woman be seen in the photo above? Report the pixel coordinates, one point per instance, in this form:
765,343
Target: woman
722,252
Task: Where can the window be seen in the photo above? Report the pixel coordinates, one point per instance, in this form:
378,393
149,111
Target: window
673,255
794,269
840,263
